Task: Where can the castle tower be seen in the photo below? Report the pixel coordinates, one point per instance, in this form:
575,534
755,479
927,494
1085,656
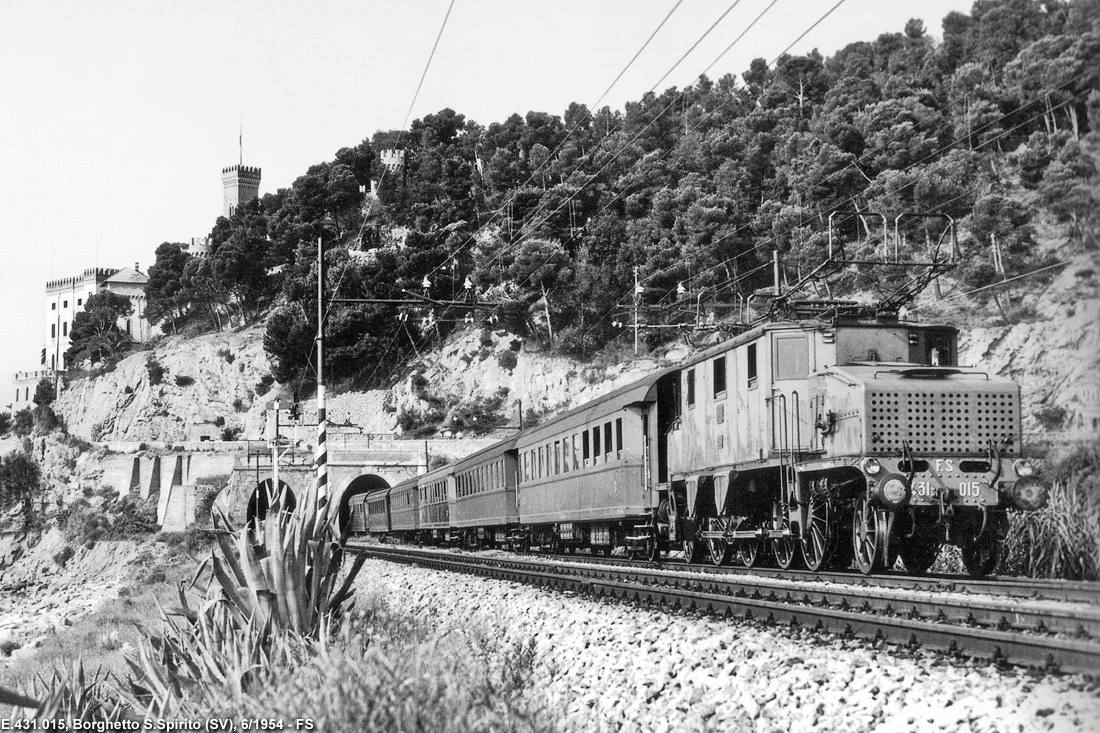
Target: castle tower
241,184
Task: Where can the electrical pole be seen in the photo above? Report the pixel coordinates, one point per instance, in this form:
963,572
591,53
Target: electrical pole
320,454
637,298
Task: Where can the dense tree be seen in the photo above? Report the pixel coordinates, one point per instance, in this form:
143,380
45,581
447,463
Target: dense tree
20,484
95,335
165,299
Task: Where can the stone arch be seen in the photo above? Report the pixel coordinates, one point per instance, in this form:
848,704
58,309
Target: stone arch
359,485
259,503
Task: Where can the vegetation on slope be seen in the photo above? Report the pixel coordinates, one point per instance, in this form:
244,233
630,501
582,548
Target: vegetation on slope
548,216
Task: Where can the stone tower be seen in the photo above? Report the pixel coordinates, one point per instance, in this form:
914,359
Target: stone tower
242,184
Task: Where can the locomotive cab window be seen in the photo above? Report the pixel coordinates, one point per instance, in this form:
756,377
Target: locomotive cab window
719,366
750,364
691,388
791,356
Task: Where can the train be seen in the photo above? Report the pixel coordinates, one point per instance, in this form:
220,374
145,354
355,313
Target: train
828,438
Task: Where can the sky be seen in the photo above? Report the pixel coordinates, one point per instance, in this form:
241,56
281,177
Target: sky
117,117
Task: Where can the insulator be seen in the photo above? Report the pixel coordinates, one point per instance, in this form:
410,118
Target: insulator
468,284
681,291
426,283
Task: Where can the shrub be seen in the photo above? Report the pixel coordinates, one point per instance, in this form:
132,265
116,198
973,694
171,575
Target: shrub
183,380
155,370
486,338
7,647
227,355
23,423
1062,540
230,434
63,556
46,420
238,404
479,415
507,360
5,422
44,392
265,384
219,421
1051,417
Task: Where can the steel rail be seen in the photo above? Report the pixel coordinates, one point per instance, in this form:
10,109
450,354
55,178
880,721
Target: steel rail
854,611
1073,591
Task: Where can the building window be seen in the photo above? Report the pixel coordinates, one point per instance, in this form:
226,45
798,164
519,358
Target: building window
79,302
53,306
64,304
53,330
65,328
719,376
691,387
750,368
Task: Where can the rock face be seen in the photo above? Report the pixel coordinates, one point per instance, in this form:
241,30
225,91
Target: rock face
1054,353
209,384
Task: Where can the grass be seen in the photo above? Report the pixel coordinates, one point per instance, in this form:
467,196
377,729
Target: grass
390,672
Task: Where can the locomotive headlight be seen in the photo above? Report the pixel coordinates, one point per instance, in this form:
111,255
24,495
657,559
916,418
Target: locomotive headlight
892,491
1023,468
871,466
1029,493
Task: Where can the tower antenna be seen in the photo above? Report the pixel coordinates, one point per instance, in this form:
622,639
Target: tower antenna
240,142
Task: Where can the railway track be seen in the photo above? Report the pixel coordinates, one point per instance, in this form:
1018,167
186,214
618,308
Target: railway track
1055,590
1030,631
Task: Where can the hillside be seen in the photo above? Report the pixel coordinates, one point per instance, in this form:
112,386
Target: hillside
1052,349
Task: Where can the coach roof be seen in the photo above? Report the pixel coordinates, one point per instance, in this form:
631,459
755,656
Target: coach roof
634,394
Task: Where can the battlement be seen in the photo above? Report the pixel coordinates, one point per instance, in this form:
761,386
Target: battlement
91,274
245,172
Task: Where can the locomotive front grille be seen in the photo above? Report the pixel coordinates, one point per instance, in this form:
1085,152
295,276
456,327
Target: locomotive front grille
944,423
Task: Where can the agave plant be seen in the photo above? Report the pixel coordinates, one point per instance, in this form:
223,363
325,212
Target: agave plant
271,586
73,695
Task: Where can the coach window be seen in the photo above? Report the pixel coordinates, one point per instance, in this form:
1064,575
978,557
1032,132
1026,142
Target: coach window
619,437
538,471
557,457
607,438
750,367
719,377
597,446
585,446
576,452
691,388
792,356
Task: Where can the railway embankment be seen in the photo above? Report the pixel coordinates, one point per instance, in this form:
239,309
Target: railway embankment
613,666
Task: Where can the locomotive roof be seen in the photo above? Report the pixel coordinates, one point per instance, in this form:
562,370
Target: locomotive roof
612,402
806,325
486,453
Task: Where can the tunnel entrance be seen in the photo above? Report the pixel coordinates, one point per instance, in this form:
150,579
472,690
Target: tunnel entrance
259,504
359,485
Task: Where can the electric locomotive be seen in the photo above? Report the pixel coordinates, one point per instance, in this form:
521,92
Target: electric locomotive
849,438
